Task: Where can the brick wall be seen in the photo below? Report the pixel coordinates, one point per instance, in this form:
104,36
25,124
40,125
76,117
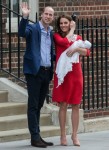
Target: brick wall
83,8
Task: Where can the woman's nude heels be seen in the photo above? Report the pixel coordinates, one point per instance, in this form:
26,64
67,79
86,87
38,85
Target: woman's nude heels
63,141
75,141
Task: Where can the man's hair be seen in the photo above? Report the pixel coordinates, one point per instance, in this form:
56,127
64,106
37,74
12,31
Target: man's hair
47,7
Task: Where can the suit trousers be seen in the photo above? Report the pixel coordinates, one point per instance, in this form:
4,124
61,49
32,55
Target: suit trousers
37,87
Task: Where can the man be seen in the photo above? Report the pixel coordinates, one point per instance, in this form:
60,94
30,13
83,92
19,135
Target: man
38,67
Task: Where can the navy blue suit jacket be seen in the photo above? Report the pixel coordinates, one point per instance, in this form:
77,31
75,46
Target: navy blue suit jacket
32,56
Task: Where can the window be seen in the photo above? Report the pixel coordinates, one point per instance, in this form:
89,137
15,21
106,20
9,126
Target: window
33,4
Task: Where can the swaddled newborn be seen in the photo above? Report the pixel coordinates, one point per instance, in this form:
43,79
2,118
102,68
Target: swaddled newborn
64,64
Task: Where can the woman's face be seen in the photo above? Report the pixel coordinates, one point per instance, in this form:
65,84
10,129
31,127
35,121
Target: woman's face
64,25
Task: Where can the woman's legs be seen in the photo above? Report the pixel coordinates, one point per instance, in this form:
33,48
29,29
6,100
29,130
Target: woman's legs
75,124
62,122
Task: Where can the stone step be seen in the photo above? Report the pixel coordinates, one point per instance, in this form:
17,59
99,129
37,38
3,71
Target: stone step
22,134
3,96
12,108
45,120
20,121
96,124
13,123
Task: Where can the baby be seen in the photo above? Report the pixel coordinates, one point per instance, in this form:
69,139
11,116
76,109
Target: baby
64,64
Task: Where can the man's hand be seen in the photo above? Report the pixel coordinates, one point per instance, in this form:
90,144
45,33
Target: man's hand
25,9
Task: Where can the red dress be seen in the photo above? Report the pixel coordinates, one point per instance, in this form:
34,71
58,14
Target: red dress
70,91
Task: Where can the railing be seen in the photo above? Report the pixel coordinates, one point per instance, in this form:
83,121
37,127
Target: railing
95,67
96,84
9,70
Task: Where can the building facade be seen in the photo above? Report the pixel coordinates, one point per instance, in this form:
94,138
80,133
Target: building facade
96,72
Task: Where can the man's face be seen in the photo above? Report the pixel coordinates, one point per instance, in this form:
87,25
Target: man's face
47,16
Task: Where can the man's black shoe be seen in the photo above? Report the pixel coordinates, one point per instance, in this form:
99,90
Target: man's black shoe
38,144
47,143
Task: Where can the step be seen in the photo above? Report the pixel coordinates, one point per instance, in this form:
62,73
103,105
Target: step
96,124
22,134
3,96
20,121
12,108
13,122
45,120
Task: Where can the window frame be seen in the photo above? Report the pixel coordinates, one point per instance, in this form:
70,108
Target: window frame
34,6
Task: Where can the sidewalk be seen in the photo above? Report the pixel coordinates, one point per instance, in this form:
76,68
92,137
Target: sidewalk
89,141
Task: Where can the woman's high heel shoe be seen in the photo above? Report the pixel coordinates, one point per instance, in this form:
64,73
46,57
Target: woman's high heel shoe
75,141
63,141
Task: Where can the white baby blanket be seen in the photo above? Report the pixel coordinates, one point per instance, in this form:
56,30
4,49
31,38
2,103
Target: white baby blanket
64,64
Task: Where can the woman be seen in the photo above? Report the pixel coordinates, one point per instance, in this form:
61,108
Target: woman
70,91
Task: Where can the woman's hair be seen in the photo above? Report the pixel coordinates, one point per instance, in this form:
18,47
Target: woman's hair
58,24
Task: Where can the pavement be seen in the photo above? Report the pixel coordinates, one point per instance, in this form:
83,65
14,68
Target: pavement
89,141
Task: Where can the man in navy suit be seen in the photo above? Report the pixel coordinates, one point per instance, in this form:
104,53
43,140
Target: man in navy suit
37,66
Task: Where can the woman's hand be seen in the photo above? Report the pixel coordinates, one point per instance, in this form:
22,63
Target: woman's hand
81,51
72,25
71,32
71,52
25,9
